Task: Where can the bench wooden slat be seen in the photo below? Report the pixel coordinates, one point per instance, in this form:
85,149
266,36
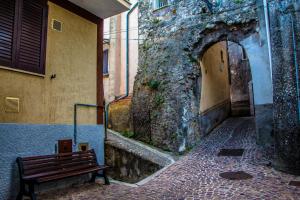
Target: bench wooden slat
70,174
56,161
59,171
58,166
24,159
57,156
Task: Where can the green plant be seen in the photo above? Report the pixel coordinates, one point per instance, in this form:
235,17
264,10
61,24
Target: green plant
174,12
192,59
238,1
128,134
153,84
188,149
146,46
174,137
156,21
158,100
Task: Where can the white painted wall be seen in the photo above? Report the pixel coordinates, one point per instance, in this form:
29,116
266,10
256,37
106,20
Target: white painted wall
260,69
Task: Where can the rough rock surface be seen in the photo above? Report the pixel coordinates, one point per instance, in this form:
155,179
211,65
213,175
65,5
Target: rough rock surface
167,88
285,27
120,115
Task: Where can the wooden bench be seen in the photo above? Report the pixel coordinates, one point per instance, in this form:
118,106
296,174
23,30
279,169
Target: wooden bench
41,169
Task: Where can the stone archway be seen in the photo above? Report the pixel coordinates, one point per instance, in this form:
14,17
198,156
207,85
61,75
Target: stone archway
249,38
166,92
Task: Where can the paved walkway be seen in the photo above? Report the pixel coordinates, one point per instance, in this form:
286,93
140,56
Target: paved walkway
196,175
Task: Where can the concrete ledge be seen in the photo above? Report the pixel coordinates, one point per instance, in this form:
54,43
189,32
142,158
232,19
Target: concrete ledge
133,162
139,149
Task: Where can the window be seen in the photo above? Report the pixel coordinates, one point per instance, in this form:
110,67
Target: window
222,57
23,34
105,62
160,3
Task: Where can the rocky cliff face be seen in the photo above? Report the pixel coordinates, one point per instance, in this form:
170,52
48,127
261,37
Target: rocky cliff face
167,88
285,40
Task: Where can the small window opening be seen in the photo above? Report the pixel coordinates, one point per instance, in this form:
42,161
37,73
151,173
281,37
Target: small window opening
160,3
105,62
222,57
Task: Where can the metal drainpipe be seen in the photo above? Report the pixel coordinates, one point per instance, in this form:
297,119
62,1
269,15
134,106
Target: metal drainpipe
267,20
127,68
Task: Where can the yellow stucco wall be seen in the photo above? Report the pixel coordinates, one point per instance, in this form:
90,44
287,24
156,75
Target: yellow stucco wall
215,78
71,55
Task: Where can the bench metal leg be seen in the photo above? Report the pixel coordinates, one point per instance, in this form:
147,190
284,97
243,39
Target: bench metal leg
105,178
93,179
31,192
20,196
22,190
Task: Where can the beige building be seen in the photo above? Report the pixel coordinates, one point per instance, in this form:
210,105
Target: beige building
51,84
121,52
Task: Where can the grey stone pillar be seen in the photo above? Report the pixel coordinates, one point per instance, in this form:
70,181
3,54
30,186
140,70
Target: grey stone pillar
285,42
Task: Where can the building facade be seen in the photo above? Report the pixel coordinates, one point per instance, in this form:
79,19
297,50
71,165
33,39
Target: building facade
50,59
121,41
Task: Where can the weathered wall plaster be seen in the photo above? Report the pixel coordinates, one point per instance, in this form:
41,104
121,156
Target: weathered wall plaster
215,77
71,55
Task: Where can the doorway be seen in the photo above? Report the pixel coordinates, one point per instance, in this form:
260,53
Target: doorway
241,92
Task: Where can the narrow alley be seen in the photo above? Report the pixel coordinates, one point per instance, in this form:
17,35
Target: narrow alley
196,175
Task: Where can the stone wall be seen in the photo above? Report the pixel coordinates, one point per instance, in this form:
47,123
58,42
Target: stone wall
168,83
285,28
120,119
127,167
132,161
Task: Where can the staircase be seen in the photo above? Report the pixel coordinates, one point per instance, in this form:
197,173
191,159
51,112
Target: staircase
240,109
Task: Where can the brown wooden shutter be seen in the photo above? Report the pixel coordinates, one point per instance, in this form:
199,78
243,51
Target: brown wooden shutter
7,17
32,36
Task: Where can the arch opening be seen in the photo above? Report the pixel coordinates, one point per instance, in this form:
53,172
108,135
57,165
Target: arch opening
226,88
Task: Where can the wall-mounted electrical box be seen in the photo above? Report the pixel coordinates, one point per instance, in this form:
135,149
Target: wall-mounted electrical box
65,146
56,25
12,105
83,146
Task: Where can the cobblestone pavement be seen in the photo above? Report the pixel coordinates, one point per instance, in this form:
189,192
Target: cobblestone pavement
196,175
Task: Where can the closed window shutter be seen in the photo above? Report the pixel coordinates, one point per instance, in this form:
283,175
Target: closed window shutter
31,39
7,15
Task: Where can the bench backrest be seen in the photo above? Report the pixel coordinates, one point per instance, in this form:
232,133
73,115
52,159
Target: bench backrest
52,163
